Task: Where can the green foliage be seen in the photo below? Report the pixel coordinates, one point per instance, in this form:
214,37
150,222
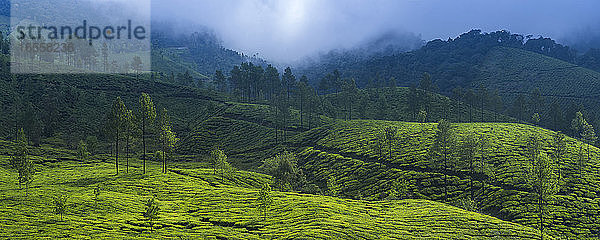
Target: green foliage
467,149
166,136
92,144
408,104
443,148
117,122
219,163
499,170
82,151
265,200
196,204
422,116
536,118
152,211
559,151
219,81
21,162
577,123
285,171
334,187
467,203
399,190
146,116
61,205
386,140
544,181
97,192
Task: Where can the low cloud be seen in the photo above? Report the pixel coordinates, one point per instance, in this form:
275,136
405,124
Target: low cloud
292,29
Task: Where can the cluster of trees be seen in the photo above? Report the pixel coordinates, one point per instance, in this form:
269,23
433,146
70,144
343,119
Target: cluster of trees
531,108
542,171
346,101
282,91
219,163
122,124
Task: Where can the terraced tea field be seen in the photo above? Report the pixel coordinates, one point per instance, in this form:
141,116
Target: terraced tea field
196,204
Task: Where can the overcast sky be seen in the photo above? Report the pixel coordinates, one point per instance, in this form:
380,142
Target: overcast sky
287,30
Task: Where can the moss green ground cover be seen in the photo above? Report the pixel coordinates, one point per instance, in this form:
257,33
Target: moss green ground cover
196,204
346,151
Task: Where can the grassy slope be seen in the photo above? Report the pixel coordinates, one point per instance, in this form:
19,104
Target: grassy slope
345,150
246,131
166,60
514,71
197,204
396,107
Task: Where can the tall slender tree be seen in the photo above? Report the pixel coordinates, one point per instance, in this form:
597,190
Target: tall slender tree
303,92
146,116
166,136
129,130
220,81
559,149
443,148
589,136
349,92
482,93
542,178
265,200
468,148
470,99
289,81
21,162
272,80
118,115
137,66
458,93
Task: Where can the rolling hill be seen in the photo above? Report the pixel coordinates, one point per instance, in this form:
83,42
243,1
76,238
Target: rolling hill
346,150
515,71
195,203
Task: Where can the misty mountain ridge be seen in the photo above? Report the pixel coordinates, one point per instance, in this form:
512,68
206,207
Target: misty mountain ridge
200,51
453,62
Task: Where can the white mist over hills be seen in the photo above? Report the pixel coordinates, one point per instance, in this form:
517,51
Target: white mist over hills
289,30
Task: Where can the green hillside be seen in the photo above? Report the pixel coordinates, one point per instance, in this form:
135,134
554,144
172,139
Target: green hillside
346,150
167,61
499,61
247,131
196,204
515,71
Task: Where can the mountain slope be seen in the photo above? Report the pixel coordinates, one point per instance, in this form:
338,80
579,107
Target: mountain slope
347,151
195,203
514,71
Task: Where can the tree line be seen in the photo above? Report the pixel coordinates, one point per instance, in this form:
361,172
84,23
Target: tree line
341,98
